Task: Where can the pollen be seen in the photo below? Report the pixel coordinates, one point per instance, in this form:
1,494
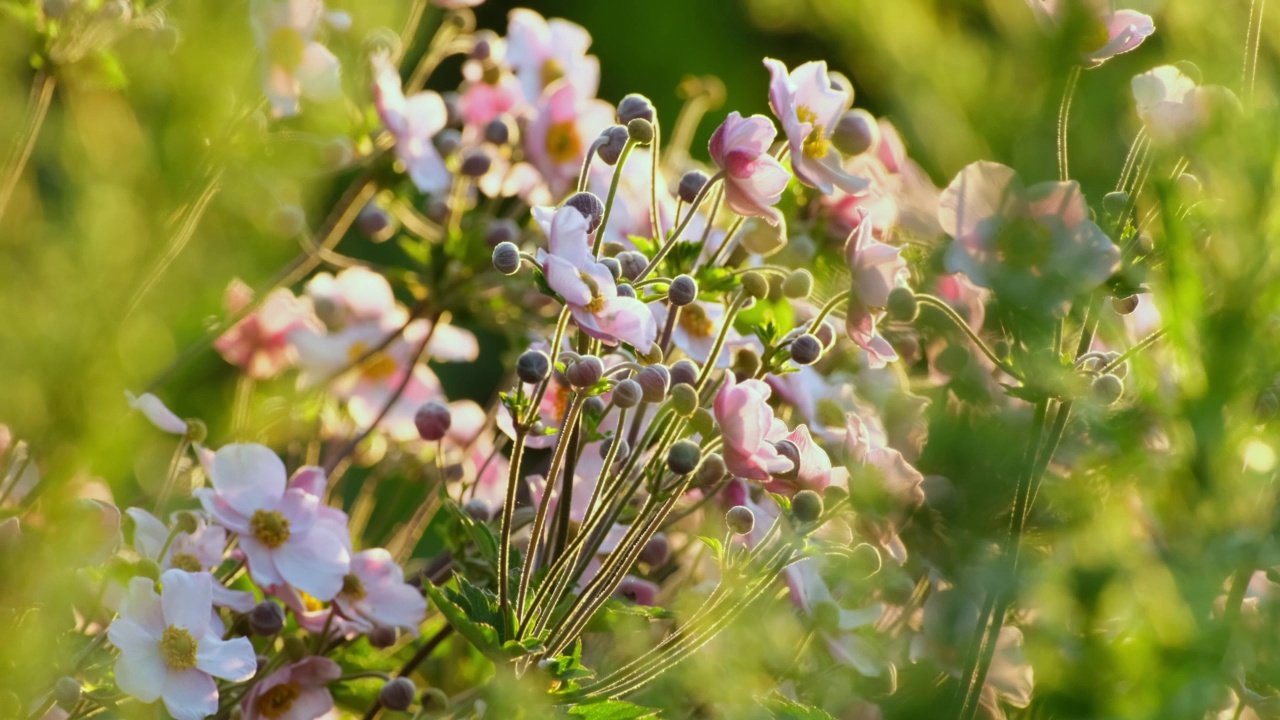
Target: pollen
269,528
178,648
376,367
552,71
816,145
564,144
694,321
352,587
186,561
276,702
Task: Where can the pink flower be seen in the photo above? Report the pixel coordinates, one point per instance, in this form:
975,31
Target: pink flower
900,196
588,288
812,472
809,107
1172,106
1035,245
746,420
696,330
413,122
876,269
543,51
753,179
297,691
885,496
455,4
259,343
563,125
197,551
490,90
296,65
374,594
170,650
280,528
1111,31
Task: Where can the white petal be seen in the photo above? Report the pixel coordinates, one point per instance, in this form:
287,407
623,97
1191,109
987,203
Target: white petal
155,411
248,476
314,564
141,674
227,659
190,695
187,599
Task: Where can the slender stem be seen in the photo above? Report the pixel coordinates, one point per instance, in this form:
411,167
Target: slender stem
37,109
675,236
586,163
727,321
959,322
613,193
412,663
1064,118
1141,345
730,238
653,180
504,549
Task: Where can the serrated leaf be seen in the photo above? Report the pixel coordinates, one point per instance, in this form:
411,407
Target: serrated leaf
716,546
612,710
482,635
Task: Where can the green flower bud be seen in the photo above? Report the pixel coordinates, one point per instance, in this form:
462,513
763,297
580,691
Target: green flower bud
740,519
806,506
683,457
1107,389
798,284
684,400
755,285
902,304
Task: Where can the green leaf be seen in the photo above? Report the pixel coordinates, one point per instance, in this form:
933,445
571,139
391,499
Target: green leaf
484,636
714,544
612,710
781,708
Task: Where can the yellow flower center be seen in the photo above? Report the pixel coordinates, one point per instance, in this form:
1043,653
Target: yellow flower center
285,48
378,366
352,587
694,321
310,603
552,71
186,561
596,303
269,528
815,144
277,701
564,144
178,648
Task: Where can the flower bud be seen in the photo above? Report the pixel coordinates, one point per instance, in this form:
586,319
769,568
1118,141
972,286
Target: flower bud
506,258
448,141
633,263
1107,389
656,551
788,450
584,372
1115,202
702,422
624,449
760,238
501,230
437,210
1188,185
806,349
640,130
594,406
625,290
746,362
798,284
683,457
654,380
590,207
740,519
614,140
497,132
627,394
953,360
382,637
397,694
755,284
1124,306
637,590
66,692
533,366
683,290
683,372
476,163
266,618
434,700
712,470
902,304
433,420
295,648
855,132
615,268
479,509
806,506
635,105
684,400
691,183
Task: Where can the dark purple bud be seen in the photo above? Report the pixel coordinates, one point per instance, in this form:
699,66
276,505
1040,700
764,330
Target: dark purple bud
501,230
382,637
683,372
635,106
266,618
476,163
590,207
633,263
740,519
585,372
497,132
614,140
638,591
654,380
506,258
433,420
856,132
656,551
683,290
397,694
806,349
691,183
448,141
627,394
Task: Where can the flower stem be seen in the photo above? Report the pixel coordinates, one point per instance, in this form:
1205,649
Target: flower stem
671,241
37,109
613,193
959,322
1064,118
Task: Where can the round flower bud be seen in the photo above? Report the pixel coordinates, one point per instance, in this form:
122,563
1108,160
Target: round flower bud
746,362
434,700
482,49
627,394
902,304
615,267
702,422
755,284
761,238
506,258
1115,202
594,406
397,694
633,263
590,207
654,380
683,457
1188,184
691,183
788,450
533,366
266,618
295,648
476,163
855,132
806,506
640,130
740,519
953,360
497,132
375,222
437,210
635,105
625,290
448,141
683,372
382,637
614,140
825,334
1124,306
433,420
1107,389
798,284
623,450
712,470
684,400
584,372
656,551
864,561
683,290
501,230
479,509
806,349
66,692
